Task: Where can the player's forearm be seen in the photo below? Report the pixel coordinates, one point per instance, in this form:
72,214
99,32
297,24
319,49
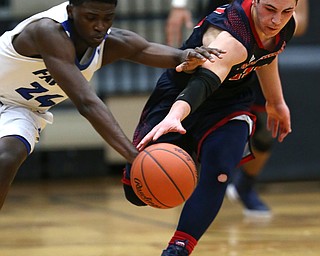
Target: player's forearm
105,124
179,110
270,83
302,17
201,86
162,56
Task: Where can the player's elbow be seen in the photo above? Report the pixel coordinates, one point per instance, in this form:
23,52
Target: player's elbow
86,106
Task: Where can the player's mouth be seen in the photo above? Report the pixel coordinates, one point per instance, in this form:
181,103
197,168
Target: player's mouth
98,38
273,29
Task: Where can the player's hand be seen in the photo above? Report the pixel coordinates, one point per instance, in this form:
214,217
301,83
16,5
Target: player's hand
193,58
168,124
178,19
278,120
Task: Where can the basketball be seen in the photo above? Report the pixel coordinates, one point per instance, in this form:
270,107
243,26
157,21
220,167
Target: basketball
163,175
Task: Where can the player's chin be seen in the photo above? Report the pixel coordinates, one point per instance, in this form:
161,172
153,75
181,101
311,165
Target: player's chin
95,42
271,32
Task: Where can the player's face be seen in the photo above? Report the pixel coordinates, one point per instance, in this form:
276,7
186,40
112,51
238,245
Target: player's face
270,16
91,21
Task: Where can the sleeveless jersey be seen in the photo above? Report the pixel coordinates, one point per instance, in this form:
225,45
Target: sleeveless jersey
236,19
234,97
26,81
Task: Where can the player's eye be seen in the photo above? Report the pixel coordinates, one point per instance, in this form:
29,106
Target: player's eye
90,17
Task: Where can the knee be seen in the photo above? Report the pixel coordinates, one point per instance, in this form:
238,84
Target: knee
218,171
8,169
222,177
262,139
12,154
131,196
9,162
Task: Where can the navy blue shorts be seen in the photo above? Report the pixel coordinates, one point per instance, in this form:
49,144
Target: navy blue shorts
213,113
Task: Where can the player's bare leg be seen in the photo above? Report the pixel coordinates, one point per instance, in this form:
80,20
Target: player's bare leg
12,154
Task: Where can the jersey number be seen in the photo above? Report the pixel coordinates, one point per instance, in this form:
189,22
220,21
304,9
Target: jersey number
45,100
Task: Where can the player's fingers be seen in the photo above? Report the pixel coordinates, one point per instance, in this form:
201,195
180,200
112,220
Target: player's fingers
180,129
269,123
153,135
208,52
191,64
217,52
179,68
275,128
285,130
184,66
200,54
282,136
158,133
272,126
146,139
142,144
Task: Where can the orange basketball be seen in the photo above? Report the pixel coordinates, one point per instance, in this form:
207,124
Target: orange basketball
163,175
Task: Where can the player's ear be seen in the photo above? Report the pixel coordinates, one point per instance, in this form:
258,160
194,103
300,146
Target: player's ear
69,11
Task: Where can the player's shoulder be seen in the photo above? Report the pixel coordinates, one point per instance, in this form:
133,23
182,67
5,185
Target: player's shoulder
120,38
47,23
44,27
220,35
122,34
236,51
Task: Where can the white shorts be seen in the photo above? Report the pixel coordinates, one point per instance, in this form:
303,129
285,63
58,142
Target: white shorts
22,122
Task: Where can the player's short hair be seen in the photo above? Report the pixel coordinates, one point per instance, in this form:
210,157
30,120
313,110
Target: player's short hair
296,1
79,2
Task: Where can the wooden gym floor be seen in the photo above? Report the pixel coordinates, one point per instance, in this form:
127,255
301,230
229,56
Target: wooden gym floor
92,218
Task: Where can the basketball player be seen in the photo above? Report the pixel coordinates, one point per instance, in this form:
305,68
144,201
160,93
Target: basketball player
50,57
208,112
242,186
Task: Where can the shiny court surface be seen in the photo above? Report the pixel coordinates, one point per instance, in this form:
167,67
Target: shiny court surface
92,218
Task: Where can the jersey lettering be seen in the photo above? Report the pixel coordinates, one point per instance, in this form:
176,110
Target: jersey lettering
37,88
244,73
253,63
27,92
45,101
45,75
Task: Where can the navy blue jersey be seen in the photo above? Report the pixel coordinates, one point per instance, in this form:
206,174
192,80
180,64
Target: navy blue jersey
236,19
234,97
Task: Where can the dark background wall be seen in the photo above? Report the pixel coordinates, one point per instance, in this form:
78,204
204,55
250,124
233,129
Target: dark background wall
297,158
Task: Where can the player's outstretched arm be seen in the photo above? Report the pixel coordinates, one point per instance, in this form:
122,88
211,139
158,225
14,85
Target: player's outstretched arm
203,83
124,44
171,123
60,63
